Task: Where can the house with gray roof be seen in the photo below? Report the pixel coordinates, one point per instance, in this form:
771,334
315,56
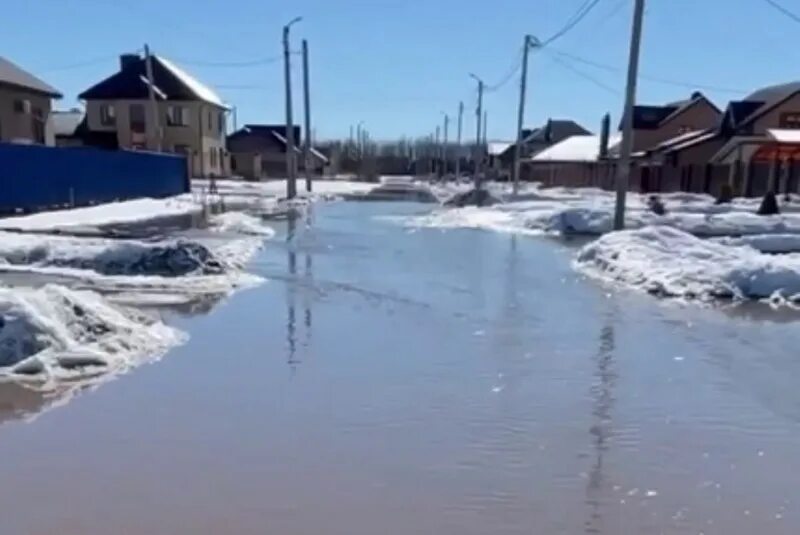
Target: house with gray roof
25,105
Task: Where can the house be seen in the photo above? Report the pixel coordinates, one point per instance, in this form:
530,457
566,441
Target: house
267,144
537,139
655,124
190,117
25,104
753,138
574,161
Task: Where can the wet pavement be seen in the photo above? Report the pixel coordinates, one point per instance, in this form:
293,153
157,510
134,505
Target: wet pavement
443,382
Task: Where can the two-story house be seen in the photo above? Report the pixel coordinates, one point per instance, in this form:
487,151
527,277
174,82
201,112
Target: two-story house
25,106
653,125
189,117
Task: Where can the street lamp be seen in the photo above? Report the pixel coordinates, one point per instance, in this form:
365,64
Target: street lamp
291,165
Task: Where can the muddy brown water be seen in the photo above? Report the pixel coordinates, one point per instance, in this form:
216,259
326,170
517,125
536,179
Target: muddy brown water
427,382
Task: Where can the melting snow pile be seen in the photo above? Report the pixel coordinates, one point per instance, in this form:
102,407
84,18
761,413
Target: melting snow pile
53,332
672,263
241,223
767,243
182,266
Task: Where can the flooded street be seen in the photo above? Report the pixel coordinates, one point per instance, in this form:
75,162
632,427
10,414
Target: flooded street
427,381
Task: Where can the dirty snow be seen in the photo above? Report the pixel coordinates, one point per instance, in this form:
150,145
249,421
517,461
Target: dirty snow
54,333
673,263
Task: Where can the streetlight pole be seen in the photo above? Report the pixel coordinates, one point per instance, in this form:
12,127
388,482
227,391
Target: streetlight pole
291,165
444,143
626,148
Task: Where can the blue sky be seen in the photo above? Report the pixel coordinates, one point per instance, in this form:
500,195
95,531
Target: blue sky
397,65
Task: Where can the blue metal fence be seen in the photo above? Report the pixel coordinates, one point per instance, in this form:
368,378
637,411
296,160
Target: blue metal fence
34,177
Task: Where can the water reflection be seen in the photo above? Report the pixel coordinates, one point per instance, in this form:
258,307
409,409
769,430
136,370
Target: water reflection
602,396
293,235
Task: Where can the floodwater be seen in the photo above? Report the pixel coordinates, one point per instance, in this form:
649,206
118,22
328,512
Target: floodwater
428,382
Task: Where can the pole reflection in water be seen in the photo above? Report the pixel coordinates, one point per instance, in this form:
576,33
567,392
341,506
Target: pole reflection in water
602,395
291,289
293,284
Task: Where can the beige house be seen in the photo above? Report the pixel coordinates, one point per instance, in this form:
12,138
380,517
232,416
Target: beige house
25,105
190,118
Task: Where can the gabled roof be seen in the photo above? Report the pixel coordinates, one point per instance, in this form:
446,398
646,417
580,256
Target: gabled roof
497,148
555,129
170,83
276,132
65,123
13,75
580,148
652,117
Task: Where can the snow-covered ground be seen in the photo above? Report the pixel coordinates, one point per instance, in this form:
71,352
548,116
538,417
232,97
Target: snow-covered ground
669,262
590,211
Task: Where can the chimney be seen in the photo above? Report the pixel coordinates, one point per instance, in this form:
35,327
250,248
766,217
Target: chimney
605,130
128,60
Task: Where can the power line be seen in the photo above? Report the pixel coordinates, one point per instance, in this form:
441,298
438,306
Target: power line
507,78
584,75
84,63
775,5
579,15
678,83
233,64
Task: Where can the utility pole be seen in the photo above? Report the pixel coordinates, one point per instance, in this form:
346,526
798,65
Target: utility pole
235,120
437,152
458,142
624,166
291,157
154,141
479,116
444,144
485,128
307,102
530,42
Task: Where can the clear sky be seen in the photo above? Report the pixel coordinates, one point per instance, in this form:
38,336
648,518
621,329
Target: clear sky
397,65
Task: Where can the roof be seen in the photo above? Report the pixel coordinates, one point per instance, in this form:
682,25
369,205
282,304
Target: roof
12,74
784,136
555,129
65,123
580,148
499,147
652,117
298,148
170,83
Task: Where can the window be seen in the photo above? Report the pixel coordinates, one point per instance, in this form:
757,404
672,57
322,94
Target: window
108,116
183,149
22,106
221,158
137,118
221,119
177,116
212,157
210,121
790,120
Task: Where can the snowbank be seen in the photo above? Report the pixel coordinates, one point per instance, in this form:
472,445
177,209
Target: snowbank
171,258
766,243
672,263
105,214
55,333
